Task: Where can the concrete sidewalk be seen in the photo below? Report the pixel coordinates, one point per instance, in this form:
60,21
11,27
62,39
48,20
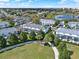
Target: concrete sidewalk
56,52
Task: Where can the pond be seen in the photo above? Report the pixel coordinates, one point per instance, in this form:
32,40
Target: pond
64,17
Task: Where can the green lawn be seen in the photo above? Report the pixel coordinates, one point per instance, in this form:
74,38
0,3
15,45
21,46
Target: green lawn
75,50
1,20
29,51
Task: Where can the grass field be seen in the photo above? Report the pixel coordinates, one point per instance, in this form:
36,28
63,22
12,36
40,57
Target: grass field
29,51
1,20
75,50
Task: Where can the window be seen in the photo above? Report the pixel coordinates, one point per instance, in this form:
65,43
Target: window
69,37
76,39
63,37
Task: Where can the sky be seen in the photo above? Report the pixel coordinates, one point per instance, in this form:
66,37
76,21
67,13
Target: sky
39,3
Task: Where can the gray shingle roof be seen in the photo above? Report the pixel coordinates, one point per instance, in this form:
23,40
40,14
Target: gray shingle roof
73,22
18,18
4,24
6,31
68,31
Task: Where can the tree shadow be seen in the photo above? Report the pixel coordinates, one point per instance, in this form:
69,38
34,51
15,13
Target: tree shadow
71,53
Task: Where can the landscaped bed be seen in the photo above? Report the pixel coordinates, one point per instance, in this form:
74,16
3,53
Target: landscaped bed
29,51
75,50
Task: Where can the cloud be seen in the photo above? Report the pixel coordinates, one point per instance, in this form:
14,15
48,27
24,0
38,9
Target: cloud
16,4
39,4
30,1
62,1
4,0
77,1
17,0
70,1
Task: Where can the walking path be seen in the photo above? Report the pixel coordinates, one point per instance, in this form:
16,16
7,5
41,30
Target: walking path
56,53
17,45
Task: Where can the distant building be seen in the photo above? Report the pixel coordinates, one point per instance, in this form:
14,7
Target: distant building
2,15
73,24
7,31
47,21
35,27
4,24
21,20
68,35
62,23
64,17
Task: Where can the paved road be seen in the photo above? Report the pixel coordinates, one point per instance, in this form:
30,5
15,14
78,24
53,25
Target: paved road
56,53
14,46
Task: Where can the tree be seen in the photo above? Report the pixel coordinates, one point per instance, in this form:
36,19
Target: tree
2,42
66,23
61,46
23,36
35,19
31,36
57,41
49,16
40,35
12,39
49,37
64,53
12,23
56,23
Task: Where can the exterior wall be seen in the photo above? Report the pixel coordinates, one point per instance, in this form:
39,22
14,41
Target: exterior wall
35,29
74,25
45,29
68,37
28,29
